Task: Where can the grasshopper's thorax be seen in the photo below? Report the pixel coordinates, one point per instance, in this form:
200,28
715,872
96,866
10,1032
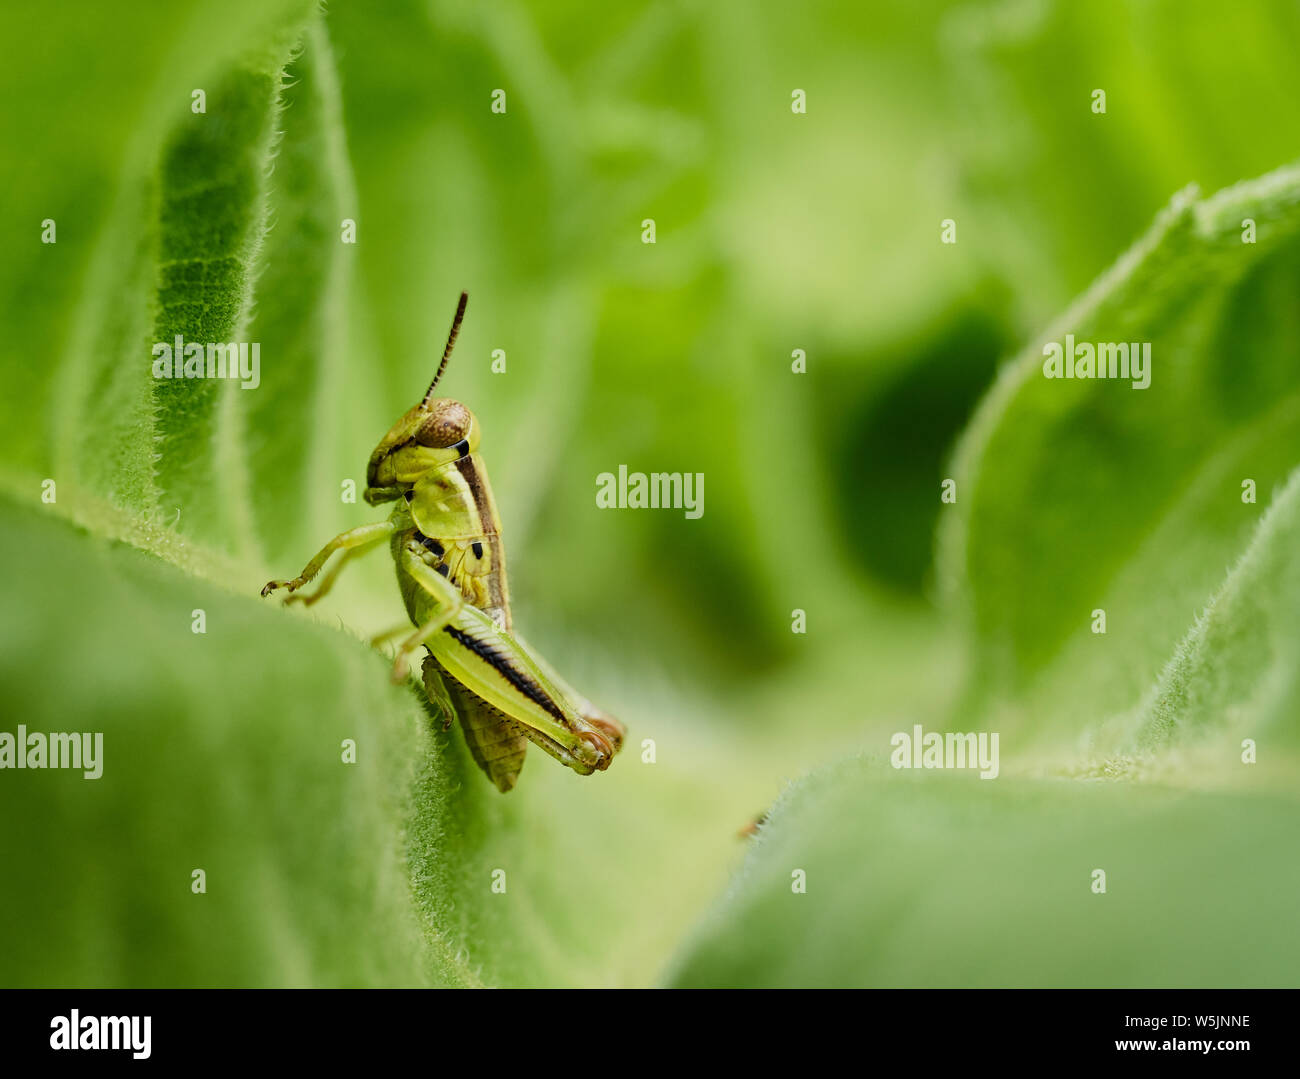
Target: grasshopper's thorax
451,513
427,463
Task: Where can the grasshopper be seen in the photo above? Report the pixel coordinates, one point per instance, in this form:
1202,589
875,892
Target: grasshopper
445,537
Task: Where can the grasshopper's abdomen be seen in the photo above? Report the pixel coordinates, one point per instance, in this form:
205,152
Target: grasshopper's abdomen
496,742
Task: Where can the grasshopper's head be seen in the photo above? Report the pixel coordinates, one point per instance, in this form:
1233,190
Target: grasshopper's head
435,431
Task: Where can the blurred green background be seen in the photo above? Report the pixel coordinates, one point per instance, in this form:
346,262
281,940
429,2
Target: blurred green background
776,231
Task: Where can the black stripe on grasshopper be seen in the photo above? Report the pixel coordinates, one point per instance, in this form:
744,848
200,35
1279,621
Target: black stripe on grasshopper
500,661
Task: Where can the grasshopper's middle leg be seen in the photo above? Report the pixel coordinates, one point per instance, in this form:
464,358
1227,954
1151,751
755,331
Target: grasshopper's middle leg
443,601
345,541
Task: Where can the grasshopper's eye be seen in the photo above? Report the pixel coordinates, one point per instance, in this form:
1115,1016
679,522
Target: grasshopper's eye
448,423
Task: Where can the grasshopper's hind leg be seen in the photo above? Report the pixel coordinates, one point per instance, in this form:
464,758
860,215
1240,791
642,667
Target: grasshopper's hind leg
493,666
597,717
365,536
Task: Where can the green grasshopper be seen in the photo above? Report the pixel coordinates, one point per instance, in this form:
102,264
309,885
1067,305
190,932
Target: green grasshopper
445,537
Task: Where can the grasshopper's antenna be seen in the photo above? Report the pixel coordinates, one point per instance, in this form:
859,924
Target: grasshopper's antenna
451,342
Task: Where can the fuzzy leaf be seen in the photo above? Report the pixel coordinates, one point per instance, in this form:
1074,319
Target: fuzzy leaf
936,879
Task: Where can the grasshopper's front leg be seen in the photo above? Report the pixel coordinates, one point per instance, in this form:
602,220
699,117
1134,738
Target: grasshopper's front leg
332,574
364,536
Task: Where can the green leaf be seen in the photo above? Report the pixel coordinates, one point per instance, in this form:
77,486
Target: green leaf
1239,666
1041,164
942,879
1089,494
1075,495
212,221
215,757
224,748
291,424
111,85
223,751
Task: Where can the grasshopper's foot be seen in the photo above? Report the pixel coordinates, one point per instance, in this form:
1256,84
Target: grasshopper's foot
436,691
292,586
595,750
306,598
601,737
444,715
401,669
610,727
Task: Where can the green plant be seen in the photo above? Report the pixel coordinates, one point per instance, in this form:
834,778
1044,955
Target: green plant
224,749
